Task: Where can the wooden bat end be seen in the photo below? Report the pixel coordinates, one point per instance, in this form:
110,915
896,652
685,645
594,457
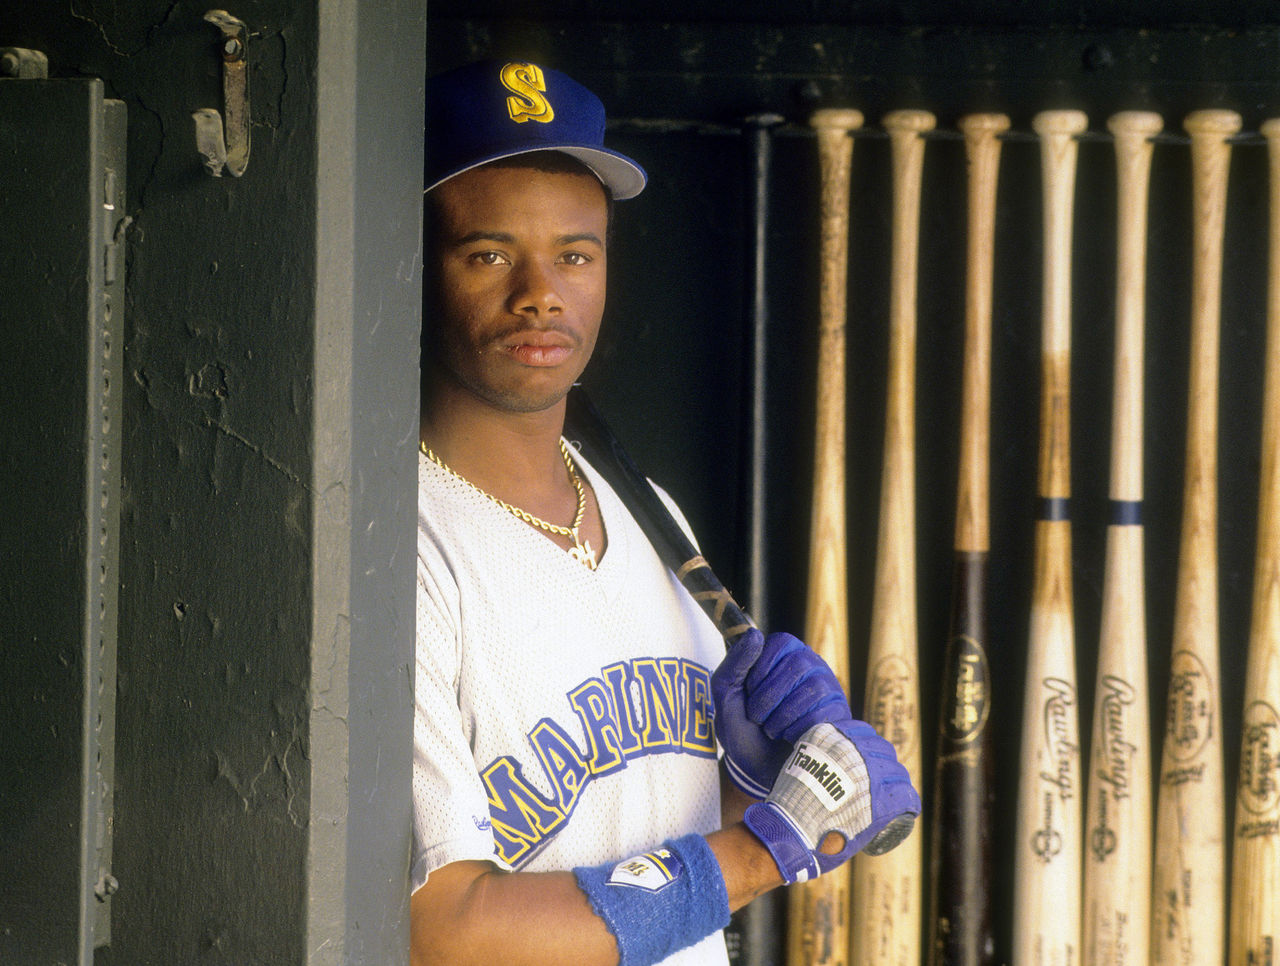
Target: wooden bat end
975,125
836,118
1213,122
1069,122
909,120
1135,123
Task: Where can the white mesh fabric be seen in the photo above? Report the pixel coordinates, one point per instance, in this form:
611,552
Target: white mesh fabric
510,630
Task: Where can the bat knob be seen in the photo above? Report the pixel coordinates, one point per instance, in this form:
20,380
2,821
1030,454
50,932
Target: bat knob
836,119
891,836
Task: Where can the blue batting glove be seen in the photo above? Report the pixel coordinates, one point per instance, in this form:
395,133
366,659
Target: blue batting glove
840,778
767,693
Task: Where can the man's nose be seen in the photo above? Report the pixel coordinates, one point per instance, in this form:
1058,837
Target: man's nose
535,289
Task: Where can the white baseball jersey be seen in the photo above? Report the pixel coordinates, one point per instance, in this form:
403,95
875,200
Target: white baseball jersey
563,715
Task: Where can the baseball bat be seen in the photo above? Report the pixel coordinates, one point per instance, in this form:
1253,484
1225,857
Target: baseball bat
1187,892
887,889
588,428
960,869
818,920
1255,890
1117,870
756,934
1046,923
759,129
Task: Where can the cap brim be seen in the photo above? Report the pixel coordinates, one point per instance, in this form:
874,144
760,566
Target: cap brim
622,176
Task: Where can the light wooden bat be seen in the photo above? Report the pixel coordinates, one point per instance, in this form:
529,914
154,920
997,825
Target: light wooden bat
1117,856
1255,882
1188,909
888,889
1046,916
818,911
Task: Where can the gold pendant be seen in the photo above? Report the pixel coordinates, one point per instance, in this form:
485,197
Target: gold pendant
583,553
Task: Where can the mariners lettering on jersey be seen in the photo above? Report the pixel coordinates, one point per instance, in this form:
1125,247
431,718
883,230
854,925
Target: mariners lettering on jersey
528,89
647,706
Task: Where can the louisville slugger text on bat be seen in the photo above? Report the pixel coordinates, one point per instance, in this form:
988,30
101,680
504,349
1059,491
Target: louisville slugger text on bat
1255,890
1188,910
818,919
888,889
960,870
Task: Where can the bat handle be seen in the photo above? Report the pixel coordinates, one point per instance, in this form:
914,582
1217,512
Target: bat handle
697,577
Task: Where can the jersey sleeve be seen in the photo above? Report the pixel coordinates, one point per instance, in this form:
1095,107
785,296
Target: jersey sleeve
451,809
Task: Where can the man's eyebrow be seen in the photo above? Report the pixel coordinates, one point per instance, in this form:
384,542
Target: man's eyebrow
587,236
496,236
506,238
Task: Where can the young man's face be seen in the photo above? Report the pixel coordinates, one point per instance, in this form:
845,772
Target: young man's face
519,282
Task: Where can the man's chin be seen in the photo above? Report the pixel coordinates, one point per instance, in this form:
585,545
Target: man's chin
511,395
525,401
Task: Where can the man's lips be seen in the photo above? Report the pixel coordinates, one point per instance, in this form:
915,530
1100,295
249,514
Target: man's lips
539,348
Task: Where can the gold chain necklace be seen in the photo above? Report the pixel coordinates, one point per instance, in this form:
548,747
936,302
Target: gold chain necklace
581,550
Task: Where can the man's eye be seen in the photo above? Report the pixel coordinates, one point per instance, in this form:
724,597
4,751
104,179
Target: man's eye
488,258
575,258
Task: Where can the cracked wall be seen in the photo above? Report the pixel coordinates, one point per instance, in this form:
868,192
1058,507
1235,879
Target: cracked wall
213,771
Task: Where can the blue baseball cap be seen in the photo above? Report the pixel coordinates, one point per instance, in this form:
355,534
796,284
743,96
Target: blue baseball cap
497,109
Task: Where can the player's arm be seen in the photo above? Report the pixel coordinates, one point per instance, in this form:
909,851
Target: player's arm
472,912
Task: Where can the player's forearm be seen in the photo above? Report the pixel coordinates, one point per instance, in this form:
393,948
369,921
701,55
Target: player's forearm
469,912
748,868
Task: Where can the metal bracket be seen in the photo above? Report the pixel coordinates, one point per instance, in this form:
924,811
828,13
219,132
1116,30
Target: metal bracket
23,64
233,151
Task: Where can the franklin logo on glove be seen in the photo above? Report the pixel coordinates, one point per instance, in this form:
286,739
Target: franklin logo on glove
819,772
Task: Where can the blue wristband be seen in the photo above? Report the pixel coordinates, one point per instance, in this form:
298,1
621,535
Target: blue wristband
659,902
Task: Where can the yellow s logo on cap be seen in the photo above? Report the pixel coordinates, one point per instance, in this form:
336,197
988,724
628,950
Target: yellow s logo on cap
529,103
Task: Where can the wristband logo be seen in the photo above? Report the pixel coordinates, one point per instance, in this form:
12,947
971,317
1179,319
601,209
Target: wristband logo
822,775
653,871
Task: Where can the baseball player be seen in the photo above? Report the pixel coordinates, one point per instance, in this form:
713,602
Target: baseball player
594,780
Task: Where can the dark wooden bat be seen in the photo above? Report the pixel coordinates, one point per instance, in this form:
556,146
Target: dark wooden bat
757,933
961,866
584,424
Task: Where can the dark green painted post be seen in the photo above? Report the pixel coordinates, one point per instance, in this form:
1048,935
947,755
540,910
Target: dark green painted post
60,315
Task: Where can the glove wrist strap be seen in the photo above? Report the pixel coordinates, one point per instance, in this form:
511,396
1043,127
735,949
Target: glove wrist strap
784,841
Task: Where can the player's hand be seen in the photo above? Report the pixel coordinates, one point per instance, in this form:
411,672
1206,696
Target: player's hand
767,693
841,778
